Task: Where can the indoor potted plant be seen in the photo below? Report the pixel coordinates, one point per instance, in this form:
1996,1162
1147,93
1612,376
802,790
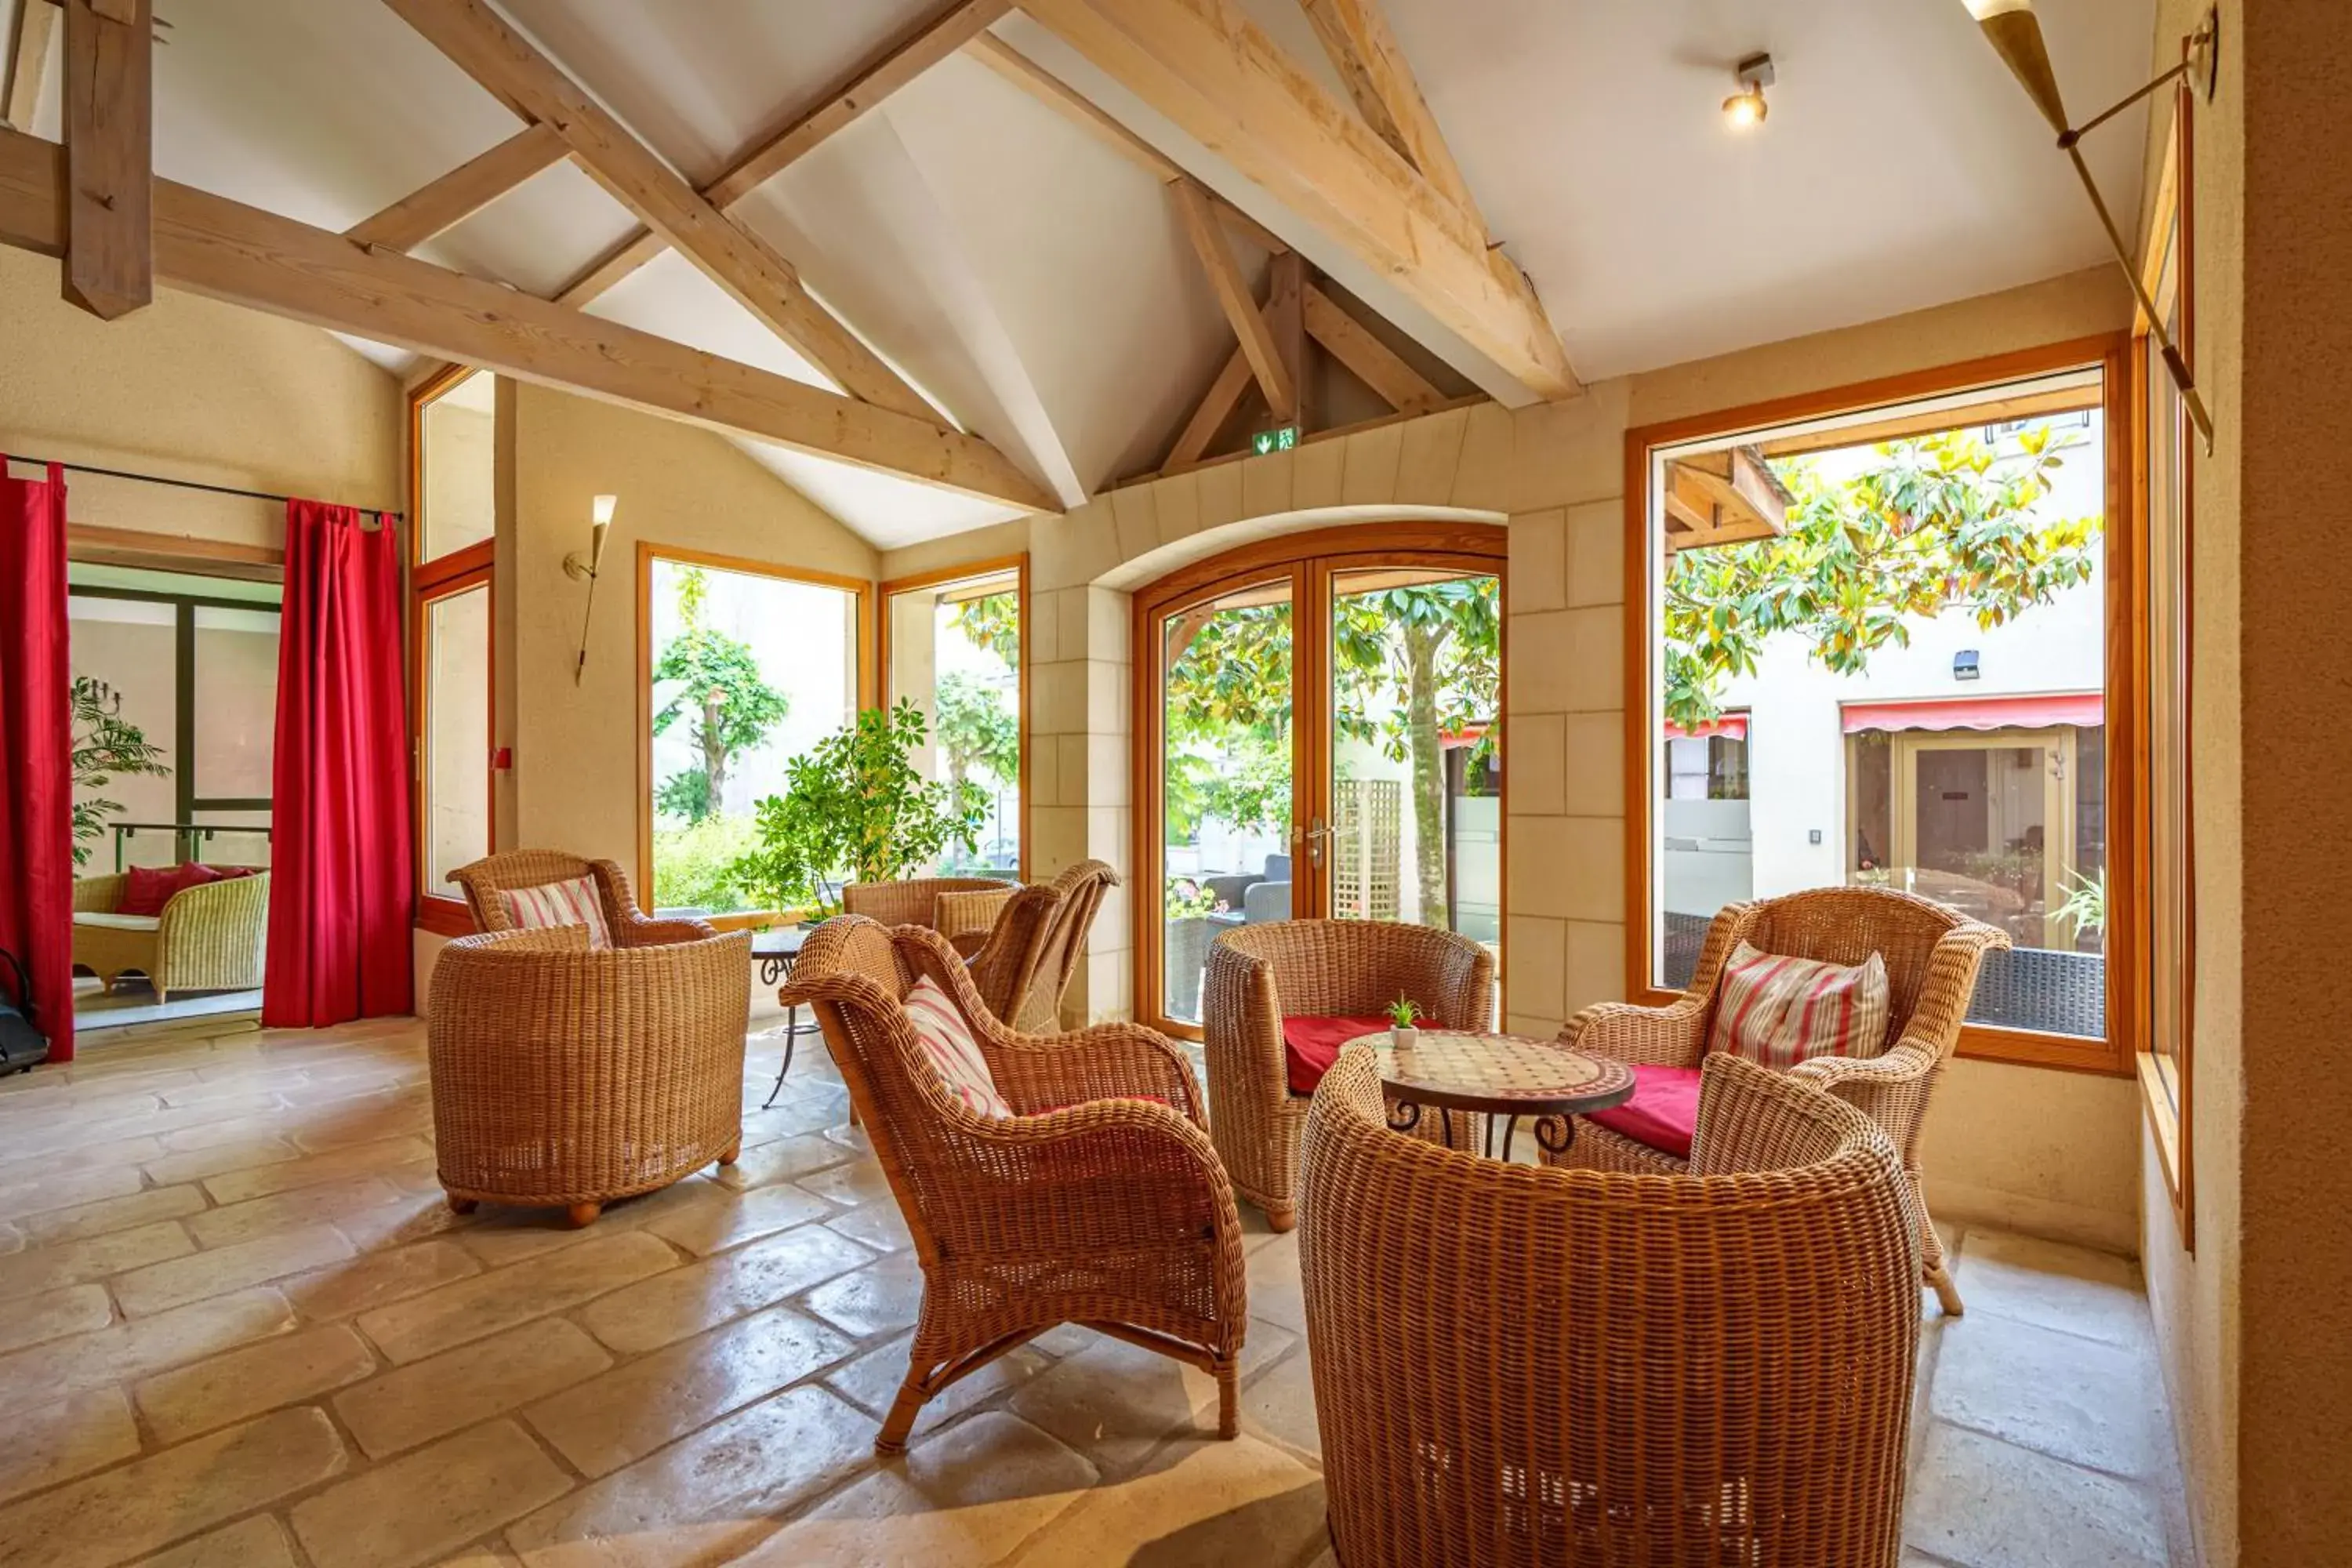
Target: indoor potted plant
1404,1019
856,810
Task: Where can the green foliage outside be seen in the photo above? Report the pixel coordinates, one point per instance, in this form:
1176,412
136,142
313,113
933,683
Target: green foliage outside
993,622
979,732
1935,523
727,706
694,865
1228,706
105,746
856,810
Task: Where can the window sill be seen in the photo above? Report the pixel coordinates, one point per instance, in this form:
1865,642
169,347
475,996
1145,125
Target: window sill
1991,1043
444,917
2164,1125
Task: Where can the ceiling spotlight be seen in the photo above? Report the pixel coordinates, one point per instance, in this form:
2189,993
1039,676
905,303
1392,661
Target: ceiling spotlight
1747,107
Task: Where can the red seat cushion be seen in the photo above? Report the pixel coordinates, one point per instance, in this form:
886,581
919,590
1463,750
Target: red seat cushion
1662,1113
1311,1042
147,891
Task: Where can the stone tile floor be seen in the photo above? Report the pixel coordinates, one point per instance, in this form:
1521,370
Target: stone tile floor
239,1328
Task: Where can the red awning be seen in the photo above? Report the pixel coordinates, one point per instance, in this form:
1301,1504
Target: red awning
1731,726
2085,710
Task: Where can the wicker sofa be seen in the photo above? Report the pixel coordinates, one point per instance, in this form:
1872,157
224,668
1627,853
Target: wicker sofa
566,1077
1260,974
208,938
1100,1201
1931,953
1515,1364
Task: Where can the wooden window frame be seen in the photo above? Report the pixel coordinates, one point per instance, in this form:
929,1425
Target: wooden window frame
2124,669
1311,560
996,566
2167,1077
868,646
439,578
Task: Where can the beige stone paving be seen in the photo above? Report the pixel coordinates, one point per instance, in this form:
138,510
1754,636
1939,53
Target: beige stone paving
242,1330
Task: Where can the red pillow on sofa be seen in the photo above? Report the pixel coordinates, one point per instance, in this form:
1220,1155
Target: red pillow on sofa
150,889
1311,1042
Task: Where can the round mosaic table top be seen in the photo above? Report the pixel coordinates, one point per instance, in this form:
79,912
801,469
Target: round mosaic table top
1513,1075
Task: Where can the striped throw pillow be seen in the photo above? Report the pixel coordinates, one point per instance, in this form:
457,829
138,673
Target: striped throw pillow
947,1042
572,903
1779,1011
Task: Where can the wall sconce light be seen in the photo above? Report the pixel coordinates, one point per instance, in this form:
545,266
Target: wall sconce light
2015,35
1746,109
585,571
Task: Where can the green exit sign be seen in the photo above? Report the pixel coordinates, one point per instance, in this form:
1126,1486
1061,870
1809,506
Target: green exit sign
1280,439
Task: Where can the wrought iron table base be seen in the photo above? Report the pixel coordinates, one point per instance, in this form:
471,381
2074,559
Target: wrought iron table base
775,970
1404,1115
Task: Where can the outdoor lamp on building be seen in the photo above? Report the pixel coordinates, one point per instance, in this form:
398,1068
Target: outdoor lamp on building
585,570
2015,35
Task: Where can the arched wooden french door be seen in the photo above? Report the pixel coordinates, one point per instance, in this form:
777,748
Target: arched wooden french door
1317,733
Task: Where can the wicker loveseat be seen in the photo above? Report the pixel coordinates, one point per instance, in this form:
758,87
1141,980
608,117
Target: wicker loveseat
1515,1364
1099,1201
1931,953
208,938
1260,974
568,1078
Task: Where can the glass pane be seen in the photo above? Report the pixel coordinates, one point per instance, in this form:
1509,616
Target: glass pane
227,845
236,703
955,652
749,671
1225,776
1883,662
1416,768
458,451
457,734
131,644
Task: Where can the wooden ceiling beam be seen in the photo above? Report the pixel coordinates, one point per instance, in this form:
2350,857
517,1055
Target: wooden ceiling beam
478,41
1375,70
109,117
1371,362
1067,101
28,60
461,193
225,250
1250,325
1220,79
1208,415
888,68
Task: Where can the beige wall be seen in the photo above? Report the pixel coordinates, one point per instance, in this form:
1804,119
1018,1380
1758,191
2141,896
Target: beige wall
2051,1152
192,389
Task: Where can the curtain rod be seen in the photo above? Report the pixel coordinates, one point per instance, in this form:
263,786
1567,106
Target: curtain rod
376,511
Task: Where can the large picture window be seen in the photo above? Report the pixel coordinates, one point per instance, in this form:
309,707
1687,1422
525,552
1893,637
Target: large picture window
1877,642
952,645
746,665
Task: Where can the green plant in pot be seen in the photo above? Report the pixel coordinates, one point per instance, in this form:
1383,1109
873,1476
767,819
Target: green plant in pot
1406,1018
856,810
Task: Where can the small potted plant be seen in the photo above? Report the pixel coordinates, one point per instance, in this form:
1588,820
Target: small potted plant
1405,1017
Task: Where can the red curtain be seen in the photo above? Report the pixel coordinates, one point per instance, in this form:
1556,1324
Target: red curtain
338,905
36,870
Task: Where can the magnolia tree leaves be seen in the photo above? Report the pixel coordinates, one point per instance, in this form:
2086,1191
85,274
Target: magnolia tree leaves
1935,524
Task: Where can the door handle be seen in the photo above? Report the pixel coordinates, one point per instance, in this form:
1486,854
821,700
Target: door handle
1315,836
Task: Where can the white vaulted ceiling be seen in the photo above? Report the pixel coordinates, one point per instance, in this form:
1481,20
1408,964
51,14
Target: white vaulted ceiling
1037,286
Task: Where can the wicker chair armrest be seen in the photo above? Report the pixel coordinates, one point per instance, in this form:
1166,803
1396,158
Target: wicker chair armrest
1671,1036
216,907
1114,1147
1752,1119
1241,1014
1454,978
1911,1060
644,931
100,895
1109,1061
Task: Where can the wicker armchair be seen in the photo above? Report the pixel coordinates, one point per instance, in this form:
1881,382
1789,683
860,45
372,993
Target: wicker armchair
961,908
1931,954
1258,973
566,1077
1092,1205
1024,965
208,938
1518,1365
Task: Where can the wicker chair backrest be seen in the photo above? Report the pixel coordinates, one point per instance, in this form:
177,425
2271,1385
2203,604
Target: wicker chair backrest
483,881
1846,925
1077,896
1353,968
